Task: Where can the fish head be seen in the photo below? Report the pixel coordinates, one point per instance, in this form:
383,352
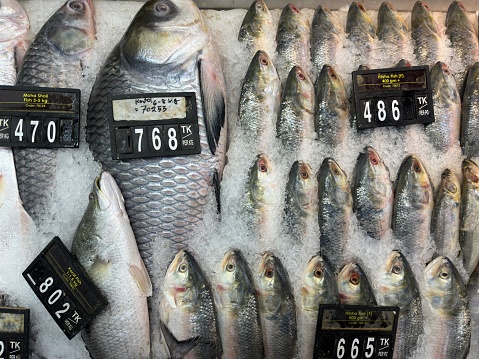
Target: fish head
449,186
13,20
414,177
332,179
403,63
349,280
359,17
470,174
421,15
300,88
319,284
273,282
263,70
443,82
324,19
261,178
388,16
457,16
329,81
303,185
258,13
398,285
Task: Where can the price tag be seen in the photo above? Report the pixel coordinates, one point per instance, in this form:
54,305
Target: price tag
39,117
355,332
393,97
154,125
14,332
64,288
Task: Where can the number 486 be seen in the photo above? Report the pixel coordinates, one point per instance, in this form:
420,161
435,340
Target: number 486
382,111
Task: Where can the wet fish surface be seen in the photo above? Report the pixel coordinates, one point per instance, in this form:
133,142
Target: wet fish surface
473,295
361,31
256,27
354,287
425,33
470,114
392,31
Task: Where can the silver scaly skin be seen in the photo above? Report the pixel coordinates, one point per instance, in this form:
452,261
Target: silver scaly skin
361,30
470,114
256,26
473,295
54,59
446,295
392,30
425,33
354,287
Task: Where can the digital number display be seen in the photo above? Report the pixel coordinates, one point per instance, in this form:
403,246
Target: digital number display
14,332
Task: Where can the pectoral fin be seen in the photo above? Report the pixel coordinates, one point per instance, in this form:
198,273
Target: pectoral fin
141,278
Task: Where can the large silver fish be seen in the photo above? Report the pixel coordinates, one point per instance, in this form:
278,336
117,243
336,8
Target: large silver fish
392,31
470,114
105,246
361,31
451,320
257,27
425,33
473,295
354,287
54,59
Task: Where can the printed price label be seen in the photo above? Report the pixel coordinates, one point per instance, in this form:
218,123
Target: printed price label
14,332
355,332
64,288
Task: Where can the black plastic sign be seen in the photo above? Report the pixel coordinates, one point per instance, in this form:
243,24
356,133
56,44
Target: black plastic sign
39,117
64,288
14,332
355,332
154,125
392,97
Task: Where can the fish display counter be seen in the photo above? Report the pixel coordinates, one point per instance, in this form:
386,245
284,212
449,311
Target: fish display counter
220,170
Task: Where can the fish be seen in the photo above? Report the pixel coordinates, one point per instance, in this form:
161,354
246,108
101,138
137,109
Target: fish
332,107
296,112
237,308
277,308
256,27
335,211
354,287
444,132
403,63
360,29
326,37
301,202
447,300
105,247
398,287
473,295
54,59
469,212
392,31
425,34
260,98
413,205
373,194
187,313
292,41
469,114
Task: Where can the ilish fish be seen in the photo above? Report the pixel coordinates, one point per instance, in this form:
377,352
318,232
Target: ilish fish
187,314
326,34
444,132
54,59
260,98
392,31
469,227
470,114
332,107
335,210
301,203
237,307
257,27
360,30
451,320
105,246
354,287
398,287
277,309
373,194
413,204
292,40
295,117
166,48
473,295
425,33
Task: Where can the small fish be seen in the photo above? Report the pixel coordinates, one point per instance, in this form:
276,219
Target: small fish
469,114
256,27
354,287
392,31
425,33
360,30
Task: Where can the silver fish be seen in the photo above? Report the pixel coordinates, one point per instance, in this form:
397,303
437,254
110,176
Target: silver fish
392,31
105,246
360,30
425,33
470,114
256,27
473,295
354,287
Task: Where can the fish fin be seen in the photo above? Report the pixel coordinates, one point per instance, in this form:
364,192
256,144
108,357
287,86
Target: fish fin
214,103
20,51
177,349
141,278
217,188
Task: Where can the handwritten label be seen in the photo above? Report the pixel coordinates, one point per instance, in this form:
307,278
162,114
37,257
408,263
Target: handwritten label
149,109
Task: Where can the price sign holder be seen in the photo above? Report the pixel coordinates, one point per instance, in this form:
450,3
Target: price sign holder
14,332
64,288
393,97
355,332
39,117
153,125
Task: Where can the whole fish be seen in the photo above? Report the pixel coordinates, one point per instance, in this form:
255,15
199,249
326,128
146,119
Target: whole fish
54,59
473,295
398,287
354,287
469,228
301,203
277,308
470,114
335,210
187,313
295,116
326,34
447,298
392,31
444,132
373,193
413,204
332,107
260,98
166,48
257,27
360,30
425,33
105,246
237,307
292,40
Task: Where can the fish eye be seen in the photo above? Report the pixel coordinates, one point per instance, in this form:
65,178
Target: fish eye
373,160
269,273
474,179
230,267
259,7
76,5
417,168
354,279
182,268
396,269
162,9
336,172
444,275
304,174
318,273
300,76
264,61
294,8
262,166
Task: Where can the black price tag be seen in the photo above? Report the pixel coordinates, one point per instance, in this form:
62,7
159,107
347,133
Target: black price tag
14,332
355,332
39,117
393,97
64,288
154,125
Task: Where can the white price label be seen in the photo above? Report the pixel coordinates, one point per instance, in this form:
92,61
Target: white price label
149,109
